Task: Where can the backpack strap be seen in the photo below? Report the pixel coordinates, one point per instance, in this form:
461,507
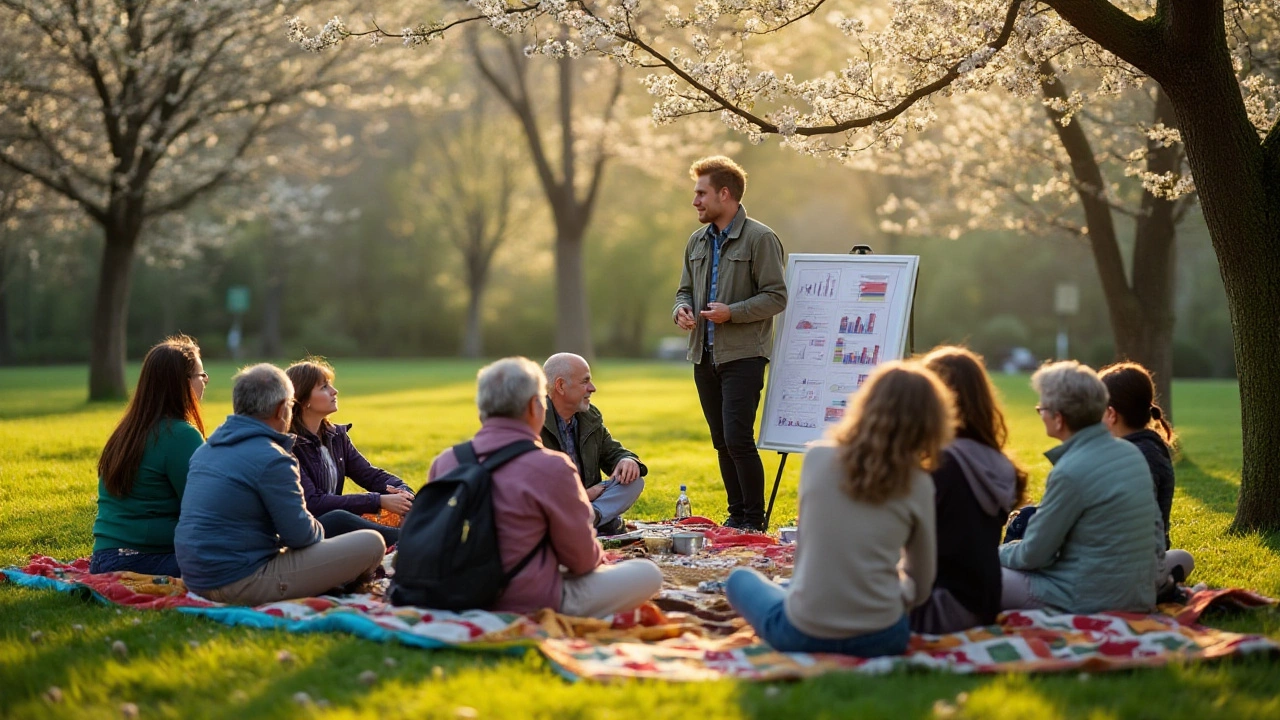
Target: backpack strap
542,544
506,454
465,453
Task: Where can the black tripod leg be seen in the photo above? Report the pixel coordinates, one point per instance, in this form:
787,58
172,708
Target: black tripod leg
774,495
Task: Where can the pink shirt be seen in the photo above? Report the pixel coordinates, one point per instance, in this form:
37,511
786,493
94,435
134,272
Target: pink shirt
533,495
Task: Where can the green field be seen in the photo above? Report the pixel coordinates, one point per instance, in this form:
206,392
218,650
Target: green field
404,413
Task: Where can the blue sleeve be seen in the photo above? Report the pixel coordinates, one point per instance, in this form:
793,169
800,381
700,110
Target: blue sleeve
281,492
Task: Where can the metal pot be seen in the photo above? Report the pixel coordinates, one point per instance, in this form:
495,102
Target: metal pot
688,543
657,544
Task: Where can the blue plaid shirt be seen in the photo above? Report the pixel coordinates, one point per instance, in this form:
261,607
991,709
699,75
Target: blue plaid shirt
569,432
717,239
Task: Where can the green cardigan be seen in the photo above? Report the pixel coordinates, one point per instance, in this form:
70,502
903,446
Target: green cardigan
144,519
1097,539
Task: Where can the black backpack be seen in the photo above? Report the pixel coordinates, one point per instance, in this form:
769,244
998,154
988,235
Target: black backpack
447,557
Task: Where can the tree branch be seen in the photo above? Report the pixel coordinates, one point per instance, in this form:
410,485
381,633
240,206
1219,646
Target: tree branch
1102,231
1137,42
597,167
60,186
518,100
952,74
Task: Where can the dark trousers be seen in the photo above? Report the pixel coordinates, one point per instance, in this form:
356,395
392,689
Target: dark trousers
341,522
730,394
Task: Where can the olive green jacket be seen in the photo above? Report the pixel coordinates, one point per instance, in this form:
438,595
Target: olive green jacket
751,281
596,447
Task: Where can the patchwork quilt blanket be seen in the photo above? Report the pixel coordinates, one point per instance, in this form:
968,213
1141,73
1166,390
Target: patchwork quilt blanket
686,635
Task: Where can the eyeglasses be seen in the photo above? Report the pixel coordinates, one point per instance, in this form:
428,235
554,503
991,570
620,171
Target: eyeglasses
203,376
1042,409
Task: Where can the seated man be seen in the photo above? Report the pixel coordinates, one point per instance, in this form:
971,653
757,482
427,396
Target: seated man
537,496
575,427
244,535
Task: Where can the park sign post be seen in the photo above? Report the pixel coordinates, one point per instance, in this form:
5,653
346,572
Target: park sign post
237,305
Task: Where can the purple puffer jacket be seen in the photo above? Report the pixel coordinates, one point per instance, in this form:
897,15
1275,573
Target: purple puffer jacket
350,463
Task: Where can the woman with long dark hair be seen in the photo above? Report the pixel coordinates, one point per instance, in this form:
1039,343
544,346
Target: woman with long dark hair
326,457
142,472
975,486
865,549
1133,414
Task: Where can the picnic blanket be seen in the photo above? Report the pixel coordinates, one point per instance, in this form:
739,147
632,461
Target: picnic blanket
695,643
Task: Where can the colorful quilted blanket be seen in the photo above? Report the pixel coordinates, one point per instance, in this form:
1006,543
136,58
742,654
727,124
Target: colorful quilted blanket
696,643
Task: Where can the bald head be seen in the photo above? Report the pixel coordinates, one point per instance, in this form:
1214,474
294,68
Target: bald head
568,383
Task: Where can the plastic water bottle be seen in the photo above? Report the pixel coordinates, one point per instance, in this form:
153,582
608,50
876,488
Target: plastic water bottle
683,510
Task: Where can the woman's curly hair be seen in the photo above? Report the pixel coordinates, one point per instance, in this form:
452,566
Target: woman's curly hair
899,422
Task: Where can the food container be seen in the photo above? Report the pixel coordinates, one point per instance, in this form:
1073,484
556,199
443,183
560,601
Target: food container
787,534
657,544
687,543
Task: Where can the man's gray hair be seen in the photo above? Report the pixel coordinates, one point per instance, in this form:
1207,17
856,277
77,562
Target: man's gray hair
1072,389
259,389
561,365
504,387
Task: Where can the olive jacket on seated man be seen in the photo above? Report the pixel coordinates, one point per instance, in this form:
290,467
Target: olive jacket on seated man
598,452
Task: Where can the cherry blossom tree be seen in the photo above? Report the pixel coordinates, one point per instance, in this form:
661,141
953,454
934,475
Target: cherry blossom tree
1044,167
134,109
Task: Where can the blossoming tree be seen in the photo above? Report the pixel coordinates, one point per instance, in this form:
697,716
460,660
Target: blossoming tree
134,109
1047,167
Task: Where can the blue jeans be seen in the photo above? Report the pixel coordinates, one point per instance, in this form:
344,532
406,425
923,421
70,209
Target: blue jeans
761,604
123,559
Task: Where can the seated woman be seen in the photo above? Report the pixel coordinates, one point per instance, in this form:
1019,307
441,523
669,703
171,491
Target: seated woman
1094,543
142,472
326,457
975,487
865,498
1132,414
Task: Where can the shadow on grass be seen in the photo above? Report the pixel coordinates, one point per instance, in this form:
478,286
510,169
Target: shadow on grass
1218,494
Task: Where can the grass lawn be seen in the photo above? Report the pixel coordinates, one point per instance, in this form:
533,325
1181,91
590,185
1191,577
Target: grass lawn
404,413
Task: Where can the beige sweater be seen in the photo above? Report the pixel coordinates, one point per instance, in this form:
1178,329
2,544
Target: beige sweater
859,567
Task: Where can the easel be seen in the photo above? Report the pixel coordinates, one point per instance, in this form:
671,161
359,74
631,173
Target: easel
911,349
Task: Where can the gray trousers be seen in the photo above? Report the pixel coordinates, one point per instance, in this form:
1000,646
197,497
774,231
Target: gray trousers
610,589
308,571
617,498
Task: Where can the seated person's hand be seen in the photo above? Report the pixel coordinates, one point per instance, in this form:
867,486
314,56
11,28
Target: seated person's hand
396,501
595,491
626,471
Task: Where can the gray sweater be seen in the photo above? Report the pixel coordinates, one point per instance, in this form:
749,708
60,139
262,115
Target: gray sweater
859,567
1097,540
243,503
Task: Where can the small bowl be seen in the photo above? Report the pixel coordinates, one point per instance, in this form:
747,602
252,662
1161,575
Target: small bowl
657,544
787,534
688,543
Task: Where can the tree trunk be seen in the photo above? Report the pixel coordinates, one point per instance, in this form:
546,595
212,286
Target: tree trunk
1240,196
6,339
473,337
1154,270
111,313
573,315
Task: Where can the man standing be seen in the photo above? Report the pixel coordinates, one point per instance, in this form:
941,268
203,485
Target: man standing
732,285
576,428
